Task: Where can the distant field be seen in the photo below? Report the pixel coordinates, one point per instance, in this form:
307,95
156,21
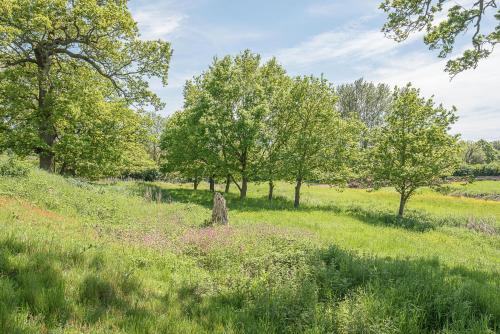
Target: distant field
84,258
479,189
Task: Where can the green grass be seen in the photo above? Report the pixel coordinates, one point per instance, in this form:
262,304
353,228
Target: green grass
479,189
100,258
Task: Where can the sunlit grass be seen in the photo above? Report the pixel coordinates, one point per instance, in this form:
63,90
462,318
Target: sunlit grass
77,257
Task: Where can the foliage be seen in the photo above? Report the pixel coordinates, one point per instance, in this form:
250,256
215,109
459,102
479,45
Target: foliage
491,169
97,135
369,102
155,125
413,149
408,16
277,124
490,153
47,44
322,145
472,153
184,149
13,167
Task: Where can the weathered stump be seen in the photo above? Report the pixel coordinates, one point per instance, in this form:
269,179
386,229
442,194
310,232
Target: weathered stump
219,211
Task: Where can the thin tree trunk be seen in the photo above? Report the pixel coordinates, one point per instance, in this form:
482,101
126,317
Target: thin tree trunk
271,189
195,183
296,203
244,187
211,181
402,203
228,183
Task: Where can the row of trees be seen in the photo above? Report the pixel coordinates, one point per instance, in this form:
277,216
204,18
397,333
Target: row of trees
74,90
247,120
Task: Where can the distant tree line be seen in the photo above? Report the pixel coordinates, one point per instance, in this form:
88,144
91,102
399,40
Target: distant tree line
479,158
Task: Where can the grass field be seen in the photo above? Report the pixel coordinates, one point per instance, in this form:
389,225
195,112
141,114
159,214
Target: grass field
483,189
101,258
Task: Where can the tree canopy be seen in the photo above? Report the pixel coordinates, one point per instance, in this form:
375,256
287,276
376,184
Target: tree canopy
443,21
413,148
46,42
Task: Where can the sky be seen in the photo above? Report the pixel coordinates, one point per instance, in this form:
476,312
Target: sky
339,39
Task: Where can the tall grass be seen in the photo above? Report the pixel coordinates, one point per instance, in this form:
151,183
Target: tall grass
85,258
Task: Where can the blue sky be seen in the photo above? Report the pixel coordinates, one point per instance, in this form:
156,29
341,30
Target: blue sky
339,39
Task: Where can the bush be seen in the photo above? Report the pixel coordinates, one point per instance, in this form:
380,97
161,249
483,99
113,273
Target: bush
148,175
13,167
491,169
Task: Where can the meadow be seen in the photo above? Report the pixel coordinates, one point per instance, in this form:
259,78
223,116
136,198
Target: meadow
135,257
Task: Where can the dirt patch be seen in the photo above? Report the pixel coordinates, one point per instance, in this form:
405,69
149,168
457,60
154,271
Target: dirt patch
29,208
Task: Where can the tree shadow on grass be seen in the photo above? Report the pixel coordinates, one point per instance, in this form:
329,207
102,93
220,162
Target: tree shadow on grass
35,285
338,291
414,221
32,285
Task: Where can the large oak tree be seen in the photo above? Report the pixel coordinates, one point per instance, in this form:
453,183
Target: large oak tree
43,40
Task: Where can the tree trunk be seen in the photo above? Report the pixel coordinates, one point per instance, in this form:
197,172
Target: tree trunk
271,189
195,183
228,184
402,203
296,203
211,181
244,187
46,130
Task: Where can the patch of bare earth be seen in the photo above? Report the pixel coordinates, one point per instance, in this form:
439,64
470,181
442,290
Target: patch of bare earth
30,209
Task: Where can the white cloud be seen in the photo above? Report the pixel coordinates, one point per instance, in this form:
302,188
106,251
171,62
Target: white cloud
473,92
155,24
368,54
344,45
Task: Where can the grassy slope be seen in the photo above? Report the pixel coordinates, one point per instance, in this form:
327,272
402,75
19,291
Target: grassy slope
77,258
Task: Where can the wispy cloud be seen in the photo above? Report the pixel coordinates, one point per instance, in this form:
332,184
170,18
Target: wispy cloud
346,45
474,92
154,24
160,20
367,53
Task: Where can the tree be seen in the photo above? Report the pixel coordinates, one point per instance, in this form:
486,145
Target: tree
413,148
490,153
408,16
44,40
277,123
154,124
367,101
322,145
229,104
472,153
182,148
97,133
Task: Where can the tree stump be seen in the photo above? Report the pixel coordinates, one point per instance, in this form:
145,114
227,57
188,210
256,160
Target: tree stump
219,211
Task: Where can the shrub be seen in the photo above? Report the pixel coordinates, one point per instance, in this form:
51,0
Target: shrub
13,167
148,175
491,169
